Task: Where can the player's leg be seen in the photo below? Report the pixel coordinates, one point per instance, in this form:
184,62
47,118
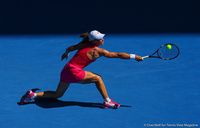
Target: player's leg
94,78
62,87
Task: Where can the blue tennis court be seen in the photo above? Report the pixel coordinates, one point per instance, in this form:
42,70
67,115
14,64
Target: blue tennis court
152,93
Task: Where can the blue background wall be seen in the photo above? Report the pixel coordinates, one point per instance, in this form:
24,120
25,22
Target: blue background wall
108,16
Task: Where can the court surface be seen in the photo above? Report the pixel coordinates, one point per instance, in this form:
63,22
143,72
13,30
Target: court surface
152,93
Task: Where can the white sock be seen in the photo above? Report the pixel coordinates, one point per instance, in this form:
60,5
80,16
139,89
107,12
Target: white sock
35,95
107,99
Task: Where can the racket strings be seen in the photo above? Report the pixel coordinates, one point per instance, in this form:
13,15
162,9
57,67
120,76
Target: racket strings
166,53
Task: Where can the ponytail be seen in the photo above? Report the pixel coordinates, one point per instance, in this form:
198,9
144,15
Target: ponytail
85,37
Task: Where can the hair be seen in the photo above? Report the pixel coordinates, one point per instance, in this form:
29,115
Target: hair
85,37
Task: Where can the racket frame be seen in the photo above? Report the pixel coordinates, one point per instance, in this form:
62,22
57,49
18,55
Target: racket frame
151,56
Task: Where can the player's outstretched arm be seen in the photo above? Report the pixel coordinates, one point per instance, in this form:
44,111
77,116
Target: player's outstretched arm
108,54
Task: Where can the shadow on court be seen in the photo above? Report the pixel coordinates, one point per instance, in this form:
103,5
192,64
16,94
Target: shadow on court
55,103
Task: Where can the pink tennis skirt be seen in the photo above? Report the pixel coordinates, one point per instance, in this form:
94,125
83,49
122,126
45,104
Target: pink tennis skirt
71,74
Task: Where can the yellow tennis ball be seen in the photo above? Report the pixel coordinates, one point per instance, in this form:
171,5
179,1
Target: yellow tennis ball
169,47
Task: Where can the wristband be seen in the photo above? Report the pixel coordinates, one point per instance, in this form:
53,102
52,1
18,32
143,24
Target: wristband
132,56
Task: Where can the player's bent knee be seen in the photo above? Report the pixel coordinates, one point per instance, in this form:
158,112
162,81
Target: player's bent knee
98,78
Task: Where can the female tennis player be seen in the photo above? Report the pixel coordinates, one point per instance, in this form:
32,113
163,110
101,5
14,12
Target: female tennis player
88,52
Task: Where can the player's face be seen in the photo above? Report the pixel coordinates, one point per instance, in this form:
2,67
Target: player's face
99,42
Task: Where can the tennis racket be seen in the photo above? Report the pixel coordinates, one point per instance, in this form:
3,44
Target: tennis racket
165,52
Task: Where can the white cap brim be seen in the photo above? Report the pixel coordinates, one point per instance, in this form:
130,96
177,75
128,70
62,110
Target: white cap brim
95,35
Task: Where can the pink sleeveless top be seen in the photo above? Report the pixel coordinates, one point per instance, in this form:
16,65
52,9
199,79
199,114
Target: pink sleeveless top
81,59
72,72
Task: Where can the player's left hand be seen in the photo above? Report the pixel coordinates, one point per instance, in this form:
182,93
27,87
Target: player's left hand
65,55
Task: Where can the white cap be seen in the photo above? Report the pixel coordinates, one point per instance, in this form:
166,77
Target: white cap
95,35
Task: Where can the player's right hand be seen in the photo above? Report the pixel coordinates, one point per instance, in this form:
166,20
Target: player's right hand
138,58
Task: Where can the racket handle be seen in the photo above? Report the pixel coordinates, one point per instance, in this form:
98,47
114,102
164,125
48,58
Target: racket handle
145,57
